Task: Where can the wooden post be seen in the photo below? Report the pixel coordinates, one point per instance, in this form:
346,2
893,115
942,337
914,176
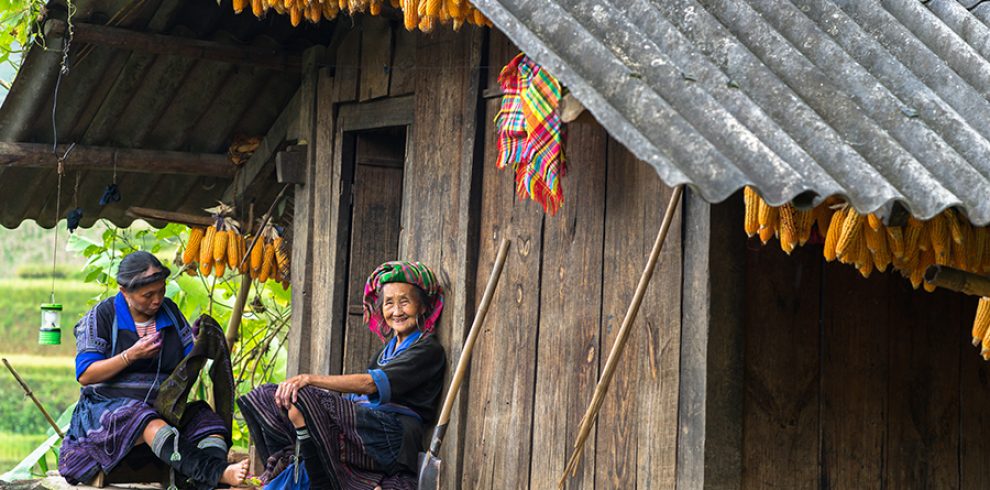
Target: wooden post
709,444
302,239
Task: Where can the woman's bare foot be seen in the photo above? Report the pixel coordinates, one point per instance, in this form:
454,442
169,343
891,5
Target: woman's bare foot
235,473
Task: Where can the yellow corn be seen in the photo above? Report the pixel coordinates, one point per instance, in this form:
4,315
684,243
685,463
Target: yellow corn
852,227
239,6
313,12
281,256
426,23
876,242
206,247
295,16
938,230
245,264
768,218
433,8
191,253
410,14
257,254
804,220
258,8
958,251
375,7
832,234
268,264
788,228
219,267
955,225
985,347
204,268
233,249
982,320
220,246
974,256
912,234
874,221
479,18
752,204
866,269
895,241
455,10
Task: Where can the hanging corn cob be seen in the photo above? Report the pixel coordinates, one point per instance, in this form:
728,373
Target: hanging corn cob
866,243
424,15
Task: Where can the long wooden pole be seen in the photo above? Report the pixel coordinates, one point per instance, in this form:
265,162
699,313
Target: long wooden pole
429,468
126,39
234,326
39,155
29,393
591,415
957,280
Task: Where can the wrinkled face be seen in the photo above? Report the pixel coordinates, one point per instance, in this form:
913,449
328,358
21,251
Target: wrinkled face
148,299
401,307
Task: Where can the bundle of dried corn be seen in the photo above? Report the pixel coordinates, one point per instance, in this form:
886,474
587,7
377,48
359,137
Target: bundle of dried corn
269,257
864,242
417,14
867,244
241,148
215,247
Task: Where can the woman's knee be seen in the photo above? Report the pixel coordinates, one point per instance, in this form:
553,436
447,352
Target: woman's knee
296,417
152,428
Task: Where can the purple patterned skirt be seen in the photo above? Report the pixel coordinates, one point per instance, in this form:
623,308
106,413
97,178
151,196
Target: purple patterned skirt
360,447
107,423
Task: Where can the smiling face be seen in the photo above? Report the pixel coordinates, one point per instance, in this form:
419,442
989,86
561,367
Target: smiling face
401,307
145,301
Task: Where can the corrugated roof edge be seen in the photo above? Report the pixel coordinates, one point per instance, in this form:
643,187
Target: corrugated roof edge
625,133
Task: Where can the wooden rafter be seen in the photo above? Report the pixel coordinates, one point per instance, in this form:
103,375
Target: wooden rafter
38,155
115,37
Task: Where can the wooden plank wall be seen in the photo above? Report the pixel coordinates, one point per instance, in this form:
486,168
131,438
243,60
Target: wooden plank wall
858,383
563,295
564,290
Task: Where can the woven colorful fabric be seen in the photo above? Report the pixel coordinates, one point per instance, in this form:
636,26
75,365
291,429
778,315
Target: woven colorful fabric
530,133
415,273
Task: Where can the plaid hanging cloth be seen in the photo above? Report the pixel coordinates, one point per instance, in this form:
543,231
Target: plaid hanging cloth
530,133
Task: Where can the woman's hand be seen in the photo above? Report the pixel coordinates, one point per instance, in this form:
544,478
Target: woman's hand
145,347
287,392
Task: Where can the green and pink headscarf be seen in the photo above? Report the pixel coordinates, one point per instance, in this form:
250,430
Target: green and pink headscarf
415,273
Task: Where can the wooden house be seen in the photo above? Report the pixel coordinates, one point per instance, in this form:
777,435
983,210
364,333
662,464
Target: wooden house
747,368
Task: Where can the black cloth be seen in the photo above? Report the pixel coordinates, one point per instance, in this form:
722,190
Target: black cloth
415,377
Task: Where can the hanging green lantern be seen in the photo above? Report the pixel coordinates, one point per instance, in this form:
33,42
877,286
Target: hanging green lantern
50,332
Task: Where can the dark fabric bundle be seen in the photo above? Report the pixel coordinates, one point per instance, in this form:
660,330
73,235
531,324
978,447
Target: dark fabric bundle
174,392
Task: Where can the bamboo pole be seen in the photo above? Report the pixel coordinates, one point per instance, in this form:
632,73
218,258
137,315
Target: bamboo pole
29,393
233,327
591,415
957,280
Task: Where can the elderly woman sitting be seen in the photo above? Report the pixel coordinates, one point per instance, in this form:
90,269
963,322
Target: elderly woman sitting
371,435
126,347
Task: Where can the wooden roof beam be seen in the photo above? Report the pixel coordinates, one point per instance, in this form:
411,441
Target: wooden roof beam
39,155
126,39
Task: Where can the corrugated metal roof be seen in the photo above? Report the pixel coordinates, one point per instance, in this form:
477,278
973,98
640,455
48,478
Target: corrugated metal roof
881,102
130,99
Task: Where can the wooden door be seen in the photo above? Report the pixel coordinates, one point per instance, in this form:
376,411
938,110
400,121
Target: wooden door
375,224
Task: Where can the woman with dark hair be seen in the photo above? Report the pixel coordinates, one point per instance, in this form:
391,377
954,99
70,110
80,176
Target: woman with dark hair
126,346
364,430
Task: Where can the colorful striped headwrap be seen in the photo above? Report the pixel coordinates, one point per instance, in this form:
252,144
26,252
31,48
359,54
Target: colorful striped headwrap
530,133
415,273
